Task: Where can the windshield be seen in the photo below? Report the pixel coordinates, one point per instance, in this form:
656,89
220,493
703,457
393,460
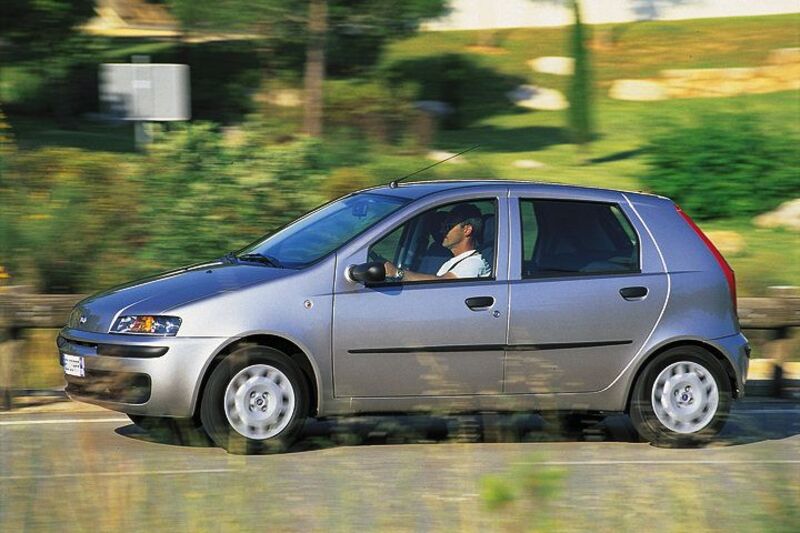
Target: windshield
326,229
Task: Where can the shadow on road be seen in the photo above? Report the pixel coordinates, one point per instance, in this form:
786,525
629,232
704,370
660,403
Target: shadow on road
748,423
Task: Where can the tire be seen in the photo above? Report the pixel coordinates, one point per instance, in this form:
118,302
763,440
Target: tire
186,431
255,401
682,398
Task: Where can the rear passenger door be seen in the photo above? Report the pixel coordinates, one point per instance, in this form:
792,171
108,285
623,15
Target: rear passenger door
586,292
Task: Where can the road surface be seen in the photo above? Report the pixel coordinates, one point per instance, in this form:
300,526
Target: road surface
95,471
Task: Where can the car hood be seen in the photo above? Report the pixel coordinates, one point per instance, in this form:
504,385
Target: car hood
161,293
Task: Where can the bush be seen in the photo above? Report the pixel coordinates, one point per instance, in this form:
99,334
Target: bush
473,90
63,217
379,111
76,221
723,166
203,197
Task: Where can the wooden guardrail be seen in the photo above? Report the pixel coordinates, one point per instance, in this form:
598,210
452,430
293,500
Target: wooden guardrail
771,323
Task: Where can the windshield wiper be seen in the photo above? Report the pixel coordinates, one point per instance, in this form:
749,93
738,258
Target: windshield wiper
261,258
230,257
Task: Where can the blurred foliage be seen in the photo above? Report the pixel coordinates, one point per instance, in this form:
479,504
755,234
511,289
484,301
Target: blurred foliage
450,78
42,24
74,221
232,84
723,165
61,214
63,84
379,111
203,195
525,496
42,37
358,30
347,179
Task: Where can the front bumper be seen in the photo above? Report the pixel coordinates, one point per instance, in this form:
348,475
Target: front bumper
153,376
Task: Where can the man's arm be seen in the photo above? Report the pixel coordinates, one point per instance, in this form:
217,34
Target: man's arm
391,272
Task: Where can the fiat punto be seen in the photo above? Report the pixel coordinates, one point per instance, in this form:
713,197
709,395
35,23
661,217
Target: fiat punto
457,296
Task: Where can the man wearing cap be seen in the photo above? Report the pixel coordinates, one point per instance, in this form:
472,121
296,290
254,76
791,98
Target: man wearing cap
461,229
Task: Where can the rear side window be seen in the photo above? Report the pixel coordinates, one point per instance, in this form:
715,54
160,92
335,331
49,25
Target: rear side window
563,237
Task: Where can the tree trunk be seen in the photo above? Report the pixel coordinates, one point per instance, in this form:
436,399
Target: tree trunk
315,66
580,90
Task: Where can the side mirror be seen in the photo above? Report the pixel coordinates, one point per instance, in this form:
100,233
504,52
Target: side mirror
374,272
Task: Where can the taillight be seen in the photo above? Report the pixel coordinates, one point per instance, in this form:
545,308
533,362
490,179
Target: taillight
723,264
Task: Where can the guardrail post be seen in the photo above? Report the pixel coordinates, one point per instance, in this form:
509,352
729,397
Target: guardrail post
11,342
8,350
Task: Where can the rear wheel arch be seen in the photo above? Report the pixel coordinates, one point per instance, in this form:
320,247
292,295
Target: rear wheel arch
724,361
286,346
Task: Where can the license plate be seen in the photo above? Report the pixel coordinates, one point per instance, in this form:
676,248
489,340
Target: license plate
73,365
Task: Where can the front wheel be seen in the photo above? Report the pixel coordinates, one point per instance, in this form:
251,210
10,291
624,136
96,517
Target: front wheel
682,398
256,401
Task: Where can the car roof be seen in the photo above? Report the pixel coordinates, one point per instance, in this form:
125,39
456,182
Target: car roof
418,189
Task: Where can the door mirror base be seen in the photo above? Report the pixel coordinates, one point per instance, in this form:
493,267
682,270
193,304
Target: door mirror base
373,272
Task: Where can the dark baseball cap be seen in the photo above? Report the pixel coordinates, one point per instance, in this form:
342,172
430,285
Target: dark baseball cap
460,213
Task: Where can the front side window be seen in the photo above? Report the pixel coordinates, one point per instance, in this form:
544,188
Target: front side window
453,241
563,237
326,229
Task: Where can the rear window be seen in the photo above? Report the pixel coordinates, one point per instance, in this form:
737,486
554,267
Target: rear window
563,237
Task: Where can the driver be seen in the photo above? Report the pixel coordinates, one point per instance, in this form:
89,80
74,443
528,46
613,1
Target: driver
461,228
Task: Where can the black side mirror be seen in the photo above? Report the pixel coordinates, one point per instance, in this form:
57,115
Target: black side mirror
374,272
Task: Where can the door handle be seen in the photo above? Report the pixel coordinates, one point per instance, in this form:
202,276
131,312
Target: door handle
479,302
631,293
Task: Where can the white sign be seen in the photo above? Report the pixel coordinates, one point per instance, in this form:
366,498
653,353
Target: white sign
152,92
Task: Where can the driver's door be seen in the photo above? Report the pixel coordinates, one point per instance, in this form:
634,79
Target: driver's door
430,338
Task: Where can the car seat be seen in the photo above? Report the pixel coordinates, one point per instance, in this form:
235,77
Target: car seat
486,244
435,255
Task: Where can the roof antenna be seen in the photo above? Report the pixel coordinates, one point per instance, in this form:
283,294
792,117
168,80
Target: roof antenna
393,183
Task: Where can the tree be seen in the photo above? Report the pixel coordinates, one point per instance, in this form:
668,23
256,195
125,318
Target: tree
41,25
580,88
579,94
320,25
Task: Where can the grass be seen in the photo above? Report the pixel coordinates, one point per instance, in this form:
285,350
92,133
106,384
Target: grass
770,256
641,49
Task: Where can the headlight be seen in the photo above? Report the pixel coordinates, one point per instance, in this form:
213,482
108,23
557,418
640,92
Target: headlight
147,324
74,318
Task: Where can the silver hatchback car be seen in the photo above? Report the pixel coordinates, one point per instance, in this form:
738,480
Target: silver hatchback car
456,296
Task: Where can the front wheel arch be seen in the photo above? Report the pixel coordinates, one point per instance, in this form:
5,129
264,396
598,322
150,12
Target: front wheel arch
256,401
299,356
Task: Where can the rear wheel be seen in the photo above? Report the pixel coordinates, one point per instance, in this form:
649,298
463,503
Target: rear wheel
682,398
256,401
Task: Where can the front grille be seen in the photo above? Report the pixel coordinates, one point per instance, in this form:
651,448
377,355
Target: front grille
71,346
124,387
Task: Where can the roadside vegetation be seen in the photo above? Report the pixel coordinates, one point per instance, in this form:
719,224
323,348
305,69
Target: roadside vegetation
82,209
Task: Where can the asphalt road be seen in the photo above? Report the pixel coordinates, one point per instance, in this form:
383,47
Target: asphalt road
94,471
